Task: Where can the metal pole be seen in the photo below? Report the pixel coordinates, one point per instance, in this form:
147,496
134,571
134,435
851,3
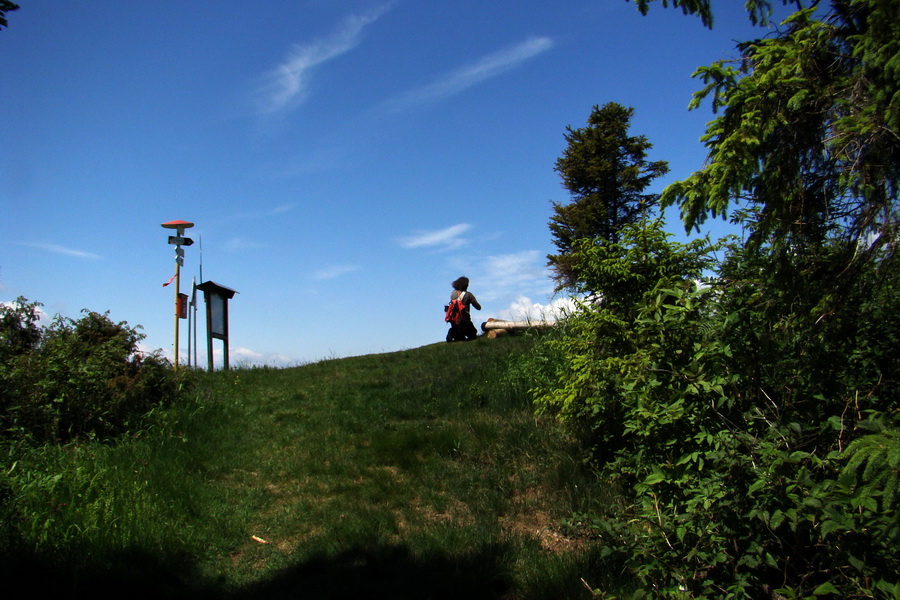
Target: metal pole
188,309
196,364
177,301
194,305
177,240
209,346
195,295
225,341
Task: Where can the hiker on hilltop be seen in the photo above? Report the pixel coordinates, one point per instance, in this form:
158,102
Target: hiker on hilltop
457,312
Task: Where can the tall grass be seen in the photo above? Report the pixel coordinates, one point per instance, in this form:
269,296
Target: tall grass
420,473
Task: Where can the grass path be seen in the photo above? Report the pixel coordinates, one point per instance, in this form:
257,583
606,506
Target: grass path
414,474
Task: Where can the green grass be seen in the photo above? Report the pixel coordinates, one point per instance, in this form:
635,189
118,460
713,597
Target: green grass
414,474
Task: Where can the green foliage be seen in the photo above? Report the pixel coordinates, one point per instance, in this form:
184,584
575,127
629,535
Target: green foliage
808,130
5,7
752,427
19,329
600,344
606,172
875,458
758,10
75,378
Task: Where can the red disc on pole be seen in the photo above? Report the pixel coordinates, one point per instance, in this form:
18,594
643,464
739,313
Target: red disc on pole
178,225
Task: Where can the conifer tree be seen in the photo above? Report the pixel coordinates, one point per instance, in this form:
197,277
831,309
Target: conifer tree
606,172
5,7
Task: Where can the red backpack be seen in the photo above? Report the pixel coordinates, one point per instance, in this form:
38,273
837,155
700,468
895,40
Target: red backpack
456,311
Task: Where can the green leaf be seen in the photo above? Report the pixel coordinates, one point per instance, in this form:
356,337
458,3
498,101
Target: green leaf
824,589
655,477
777,519
756,485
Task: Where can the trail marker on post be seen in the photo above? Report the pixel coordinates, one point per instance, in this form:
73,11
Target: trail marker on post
178,240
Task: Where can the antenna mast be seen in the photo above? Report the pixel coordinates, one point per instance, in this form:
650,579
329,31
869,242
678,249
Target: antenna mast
195,299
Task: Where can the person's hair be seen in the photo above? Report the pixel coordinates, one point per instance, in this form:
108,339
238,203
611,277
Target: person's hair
461,284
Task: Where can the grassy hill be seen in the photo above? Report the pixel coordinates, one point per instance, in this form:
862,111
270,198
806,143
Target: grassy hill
415,474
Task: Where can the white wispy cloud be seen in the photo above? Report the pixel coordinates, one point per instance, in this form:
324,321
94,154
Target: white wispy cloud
281,209
57,249
333,272
286,86
261,213
447,238
238,244
506,276
469,75
512,270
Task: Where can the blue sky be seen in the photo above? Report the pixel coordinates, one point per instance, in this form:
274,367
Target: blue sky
343,161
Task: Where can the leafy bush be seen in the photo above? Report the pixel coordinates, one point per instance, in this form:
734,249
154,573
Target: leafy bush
751,426
600,339
75,378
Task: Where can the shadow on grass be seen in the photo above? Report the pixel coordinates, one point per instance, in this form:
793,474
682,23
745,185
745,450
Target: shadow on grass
389,572
131,574
371,573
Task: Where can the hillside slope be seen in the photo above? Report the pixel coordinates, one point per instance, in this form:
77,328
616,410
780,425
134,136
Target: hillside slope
420,473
